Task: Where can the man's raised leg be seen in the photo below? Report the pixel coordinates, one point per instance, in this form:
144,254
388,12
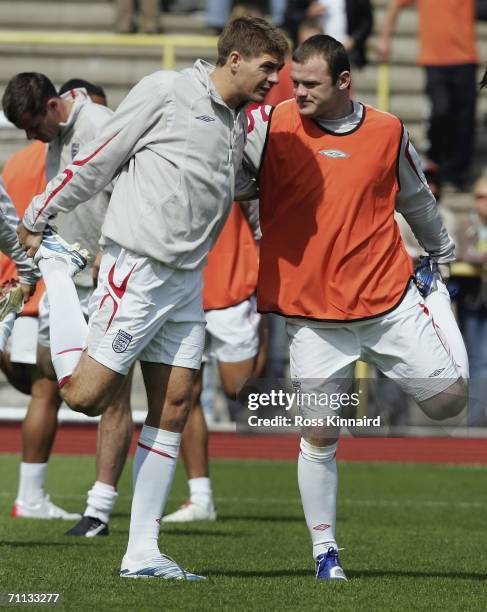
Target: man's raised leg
68,328
92,386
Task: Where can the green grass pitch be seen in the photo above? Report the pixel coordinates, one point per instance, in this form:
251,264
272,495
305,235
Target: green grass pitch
414,538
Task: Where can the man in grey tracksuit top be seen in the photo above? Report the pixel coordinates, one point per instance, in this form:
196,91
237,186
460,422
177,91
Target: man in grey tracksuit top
173,146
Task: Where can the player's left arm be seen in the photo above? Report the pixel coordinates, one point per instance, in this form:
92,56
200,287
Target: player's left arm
418,206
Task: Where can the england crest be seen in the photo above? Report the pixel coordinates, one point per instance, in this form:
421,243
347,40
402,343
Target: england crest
121,341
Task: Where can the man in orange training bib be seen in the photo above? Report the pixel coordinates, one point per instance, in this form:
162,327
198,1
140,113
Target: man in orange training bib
331,174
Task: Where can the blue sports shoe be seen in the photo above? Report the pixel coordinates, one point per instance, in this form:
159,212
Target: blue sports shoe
160,567
328,566
426,276
54,247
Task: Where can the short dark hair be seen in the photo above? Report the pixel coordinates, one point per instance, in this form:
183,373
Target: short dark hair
251,37
91,88
329,49
27,92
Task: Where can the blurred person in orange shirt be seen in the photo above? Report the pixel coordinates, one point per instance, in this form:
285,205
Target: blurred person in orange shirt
447,51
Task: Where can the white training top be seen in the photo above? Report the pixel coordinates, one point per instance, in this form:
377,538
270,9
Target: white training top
173,147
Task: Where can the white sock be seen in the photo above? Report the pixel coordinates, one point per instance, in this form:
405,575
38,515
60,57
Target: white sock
153,472
31,482
200,492
101,499
6,327
67,326
318,483
439,305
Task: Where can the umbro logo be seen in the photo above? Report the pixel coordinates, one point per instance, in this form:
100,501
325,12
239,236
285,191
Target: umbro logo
206,118
321,527
334,153
436,373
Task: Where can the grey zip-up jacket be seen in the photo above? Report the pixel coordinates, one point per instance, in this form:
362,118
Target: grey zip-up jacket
9,243
85,122
173,147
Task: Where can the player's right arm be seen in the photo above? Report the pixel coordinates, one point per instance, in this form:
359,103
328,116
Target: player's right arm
99,161
9,243
387,31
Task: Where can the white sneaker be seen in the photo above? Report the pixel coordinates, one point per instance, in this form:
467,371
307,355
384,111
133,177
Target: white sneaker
54,247
44,509
190,512
11,298
159,567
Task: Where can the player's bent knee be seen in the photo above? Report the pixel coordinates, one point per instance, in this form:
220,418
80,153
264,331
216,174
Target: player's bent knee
80,404
81,401
448,403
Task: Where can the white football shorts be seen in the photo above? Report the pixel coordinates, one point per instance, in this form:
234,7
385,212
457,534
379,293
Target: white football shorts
404,344
145,310
232,334
22,343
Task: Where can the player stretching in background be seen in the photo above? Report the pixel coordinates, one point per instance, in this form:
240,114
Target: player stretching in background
67,122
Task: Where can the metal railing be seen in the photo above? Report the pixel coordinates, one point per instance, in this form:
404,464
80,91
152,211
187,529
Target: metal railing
168,43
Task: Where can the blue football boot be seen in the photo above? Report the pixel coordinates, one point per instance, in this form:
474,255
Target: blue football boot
328,566
426,275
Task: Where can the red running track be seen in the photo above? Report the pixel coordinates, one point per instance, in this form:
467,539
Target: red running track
81,440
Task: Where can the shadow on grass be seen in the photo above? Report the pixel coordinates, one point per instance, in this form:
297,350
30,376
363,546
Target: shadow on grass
259,574
308,572
416,574
234,517
181,531
263,519
204,532
69,543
